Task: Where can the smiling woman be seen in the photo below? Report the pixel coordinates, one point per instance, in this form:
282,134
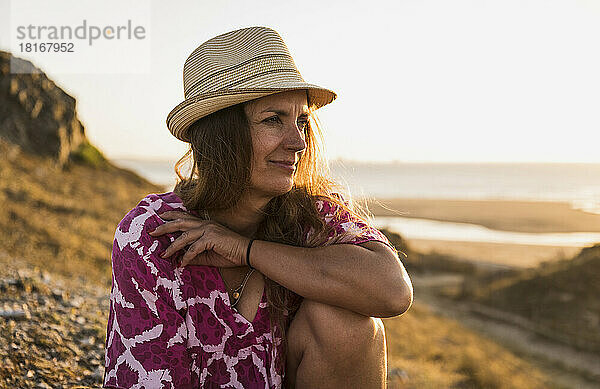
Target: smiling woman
278,139
268,275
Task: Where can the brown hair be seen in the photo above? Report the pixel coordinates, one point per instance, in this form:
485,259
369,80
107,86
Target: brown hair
221,147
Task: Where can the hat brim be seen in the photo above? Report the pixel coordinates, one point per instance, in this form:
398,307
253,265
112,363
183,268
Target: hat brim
194,108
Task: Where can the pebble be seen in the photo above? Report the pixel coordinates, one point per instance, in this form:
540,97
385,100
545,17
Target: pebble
58,295
46,277
98,373
76,302
89,341
15,313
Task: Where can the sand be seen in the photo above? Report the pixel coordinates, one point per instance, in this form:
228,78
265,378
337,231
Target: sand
519,216
511,255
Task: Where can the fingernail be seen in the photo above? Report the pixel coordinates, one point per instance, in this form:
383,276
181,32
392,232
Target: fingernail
162,255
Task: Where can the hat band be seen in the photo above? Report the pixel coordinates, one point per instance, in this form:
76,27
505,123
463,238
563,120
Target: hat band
226,78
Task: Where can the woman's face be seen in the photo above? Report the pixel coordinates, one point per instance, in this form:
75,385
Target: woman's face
277,125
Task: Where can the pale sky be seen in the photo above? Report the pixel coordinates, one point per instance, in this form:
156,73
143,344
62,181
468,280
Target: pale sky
417,81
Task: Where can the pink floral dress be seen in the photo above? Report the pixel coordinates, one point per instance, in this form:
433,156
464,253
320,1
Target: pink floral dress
175,328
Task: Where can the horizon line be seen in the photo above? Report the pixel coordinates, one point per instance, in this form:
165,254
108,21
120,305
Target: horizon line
378,162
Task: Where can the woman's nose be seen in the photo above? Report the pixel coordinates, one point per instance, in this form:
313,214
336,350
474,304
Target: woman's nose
295,139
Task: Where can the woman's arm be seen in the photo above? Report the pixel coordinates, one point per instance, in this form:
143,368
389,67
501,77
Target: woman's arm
363,275
367,278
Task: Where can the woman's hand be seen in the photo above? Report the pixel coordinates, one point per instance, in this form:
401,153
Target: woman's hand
211,243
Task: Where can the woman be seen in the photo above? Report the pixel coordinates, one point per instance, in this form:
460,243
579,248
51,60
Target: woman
238,277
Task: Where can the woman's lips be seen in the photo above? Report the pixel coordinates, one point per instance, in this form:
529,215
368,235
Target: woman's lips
290,168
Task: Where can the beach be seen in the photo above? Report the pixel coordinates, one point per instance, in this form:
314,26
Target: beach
520,216
504,215
512,255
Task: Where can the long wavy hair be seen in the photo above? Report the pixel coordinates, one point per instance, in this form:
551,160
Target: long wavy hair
221,148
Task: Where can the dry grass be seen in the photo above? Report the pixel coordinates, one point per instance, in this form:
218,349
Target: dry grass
64,221
435,352
561,297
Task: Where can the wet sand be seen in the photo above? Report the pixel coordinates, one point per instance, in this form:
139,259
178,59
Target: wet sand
519,216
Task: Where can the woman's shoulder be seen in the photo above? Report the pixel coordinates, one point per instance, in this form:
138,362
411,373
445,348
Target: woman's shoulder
346,223
133,229
328,208
156,202
152,205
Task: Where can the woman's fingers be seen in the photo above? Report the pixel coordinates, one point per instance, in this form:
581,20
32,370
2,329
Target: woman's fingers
178,224
170,226
183,240
195,249
176,214
225,247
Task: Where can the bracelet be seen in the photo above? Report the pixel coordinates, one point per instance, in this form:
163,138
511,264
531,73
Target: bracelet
248,254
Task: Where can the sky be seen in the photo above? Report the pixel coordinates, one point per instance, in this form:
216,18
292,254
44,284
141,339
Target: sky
417,81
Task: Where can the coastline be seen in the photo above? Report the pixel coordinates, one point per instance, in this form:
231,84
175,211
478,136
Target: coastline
503,215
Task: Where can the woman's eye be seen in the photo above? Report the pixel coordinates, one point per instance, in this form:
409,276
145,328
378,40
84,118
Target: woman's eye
302,124
270,119
275,119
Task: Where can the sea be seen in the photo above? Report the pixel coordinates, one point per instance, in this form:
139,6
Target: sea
575,183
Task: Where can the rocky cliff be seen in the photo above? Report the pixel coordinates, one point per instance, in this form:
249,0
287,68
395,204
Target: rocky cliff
35,113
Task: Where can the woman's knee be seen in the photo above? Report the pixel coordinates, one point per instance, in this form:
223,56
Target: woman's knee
325,342
338,329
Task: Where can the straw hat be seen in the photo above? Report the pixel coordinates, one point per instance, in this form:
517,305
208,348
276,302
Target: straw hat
235,67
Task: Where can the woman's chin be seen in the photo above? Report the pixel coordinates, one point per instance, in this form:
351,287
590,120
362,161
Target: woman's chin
275,190
283,188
